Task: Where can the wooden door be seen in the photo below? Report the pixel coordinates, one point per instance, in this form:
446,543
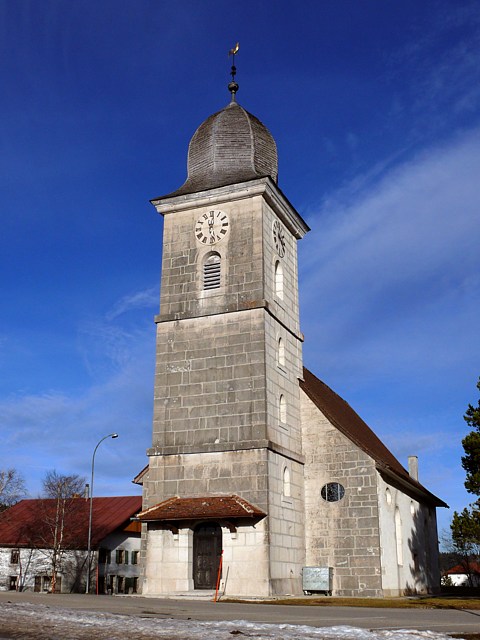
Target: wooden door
207,549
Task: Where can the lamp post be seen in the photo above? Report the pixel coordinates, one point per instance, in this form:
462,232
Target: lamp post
110,435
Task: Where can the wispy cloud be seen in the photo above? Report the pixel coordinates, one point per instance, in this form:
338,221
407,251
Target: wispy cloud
108,344
138,300
397,269
60,431
59,428
390,291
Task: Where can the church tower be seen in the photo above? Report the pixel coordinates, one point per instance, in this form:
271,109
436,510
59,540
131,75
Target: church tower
225,474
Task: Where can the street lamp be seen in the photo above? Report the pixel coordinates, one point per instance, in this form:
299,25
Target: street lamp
110,435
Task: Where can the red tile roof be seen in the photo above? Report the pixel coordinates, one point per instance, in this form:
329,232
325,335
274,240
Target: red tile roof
206,508
29,522
348,422
473,567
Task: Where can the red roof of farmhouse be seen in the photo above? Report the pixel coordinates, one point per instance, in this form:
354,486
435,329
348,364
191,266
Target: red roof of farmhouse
30,523
460,569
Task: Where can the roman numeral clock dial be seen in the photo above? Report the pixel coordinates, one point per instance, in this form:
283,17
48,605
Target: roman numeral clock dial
278,238
212,227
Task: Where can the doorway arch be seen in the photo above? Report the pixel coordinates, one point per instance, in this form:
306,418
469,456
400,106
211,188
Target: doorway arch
207,549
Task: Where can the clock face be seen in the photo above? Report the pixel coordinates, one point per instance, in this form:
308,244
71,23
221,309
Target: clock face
278,238
212,227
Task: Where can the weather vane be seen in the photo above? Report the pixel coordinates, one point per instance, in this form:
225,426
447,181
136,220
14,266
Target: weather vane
233,86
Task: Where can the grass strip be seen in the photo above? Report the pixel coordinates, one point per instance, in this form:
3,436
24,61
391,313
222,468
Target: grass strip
374,603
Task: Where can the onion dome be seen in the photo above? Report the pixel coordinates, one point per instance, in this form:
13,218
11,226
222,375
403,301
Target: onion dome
230,146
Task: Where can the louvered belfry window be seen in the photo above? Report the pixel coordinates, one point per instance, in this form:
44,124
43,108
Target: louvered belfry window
211,272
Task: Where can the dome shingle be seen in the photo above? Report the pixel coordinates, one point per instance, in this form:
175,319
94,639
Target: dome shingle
230,146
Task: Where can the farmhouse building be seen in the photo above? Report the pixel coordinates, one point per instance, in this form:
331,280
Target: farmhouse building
32,531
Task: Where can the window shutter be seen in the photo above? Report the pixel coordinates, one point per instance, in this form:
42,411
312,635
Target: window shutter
211,272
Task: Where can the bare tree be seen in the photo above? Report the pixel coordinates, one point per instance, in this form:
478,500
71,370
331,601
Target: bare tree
60,510
12,488
60,487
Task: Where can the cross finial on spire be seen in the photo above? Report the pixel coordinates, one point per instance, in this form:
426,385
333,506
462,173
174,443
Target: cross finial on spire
233,86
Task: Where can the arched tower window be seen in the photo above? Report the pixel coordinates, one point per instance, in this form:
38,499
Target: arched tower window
287,489
211,271
279,279
281,352
399,536
282,409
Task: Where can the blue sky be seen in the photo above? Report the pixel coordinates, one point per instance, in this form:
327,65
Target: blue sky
375,107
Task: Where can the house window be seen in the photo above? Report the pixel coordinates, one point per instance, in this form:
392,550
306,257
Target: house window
135,557
13,583
119,556
282,409
332,492
281,353
15,556
126,557
279,279
211,271
287,490
104,556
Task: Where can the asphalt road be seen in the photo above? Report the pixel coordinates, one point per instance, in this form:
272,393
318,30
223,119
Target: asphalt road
441,620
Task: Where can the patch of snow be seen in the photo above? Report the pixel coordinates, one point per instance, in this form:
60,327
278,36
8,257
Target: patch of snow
41,621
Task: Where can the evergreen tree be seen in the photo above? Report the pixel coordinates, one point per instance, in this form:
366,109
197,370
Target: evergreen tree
471,446
466,525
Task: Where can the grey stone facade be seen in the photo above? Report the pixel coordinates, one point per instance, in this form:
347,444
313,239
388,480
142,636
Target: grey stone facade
344,534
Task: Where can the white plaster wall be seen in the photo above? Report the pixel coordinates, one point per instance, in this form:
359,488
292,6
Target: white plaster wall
126,541
245,561
169,565
461,580
37,562
416,571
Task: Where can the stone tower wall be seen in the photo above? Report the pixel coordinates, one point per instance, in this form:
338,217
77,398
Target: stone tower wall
218,427
210,389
